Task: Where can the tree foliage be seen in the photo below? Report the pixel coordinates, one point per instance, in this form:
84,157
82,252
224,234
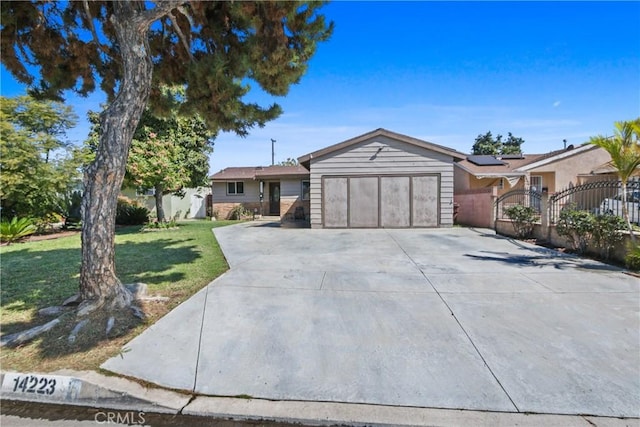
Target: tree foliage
487,144
38,165
133,48
168,154
624,149
289,161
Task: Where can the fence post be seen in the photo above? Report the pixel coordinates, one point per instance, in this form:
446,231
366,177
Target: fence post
494,212
544,215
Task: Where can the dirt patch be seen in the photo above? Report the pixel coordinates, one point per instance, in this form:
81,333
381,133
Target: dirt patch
49,236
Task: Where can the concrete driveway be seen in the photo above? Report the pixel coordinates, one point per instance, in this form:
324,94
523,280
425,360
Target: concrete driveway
442,318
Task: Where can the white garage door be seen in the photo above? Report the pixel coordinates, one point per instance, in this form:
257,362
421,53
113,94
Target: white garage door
381,201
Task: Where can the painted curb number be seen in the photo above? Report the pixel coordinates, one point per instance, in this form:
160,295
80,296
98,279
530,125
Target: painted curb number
45,385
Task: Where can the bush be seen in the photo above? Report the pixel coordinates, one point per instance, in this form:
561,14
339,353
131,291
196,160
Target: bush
129,212
606,233
16,229
72,214
160,225
523,219
577,227
238,212
632,260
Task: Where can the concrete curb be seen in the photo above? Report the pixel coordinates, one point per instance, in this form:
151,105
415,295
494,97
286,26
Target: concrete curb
91,389
348,414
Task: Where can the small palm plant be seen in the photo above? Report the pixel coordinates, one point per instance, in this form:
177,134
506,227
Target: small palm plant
624,149
16,229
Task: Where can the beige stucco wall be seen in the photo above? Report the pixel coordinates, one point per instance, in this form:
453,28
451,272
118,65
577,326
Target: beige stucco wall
563,173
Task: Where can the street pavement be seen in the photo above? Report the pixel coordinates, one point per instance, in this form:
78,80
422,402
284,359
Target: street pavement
452,318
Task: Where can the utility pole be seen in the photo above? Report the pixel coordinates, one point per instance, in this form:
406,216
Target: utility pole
273,161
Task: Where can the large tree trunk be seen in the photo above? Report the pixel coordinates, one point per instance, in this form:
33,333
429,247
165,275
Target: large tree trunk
159,208
103,178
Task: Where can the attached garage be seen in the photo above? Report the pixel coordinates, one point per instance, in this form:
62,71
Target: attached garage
381,180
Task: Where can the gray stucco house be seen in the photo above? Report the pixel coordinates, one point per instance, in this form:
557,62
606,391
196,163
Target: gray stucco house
380,179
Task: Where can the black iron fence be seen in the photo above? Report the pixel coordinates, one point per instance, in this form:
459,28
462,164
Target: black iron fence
529,198
598,197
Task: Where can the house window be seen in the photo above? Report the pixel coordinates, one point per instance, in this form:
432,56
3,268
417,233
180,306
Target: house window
235,188
306,190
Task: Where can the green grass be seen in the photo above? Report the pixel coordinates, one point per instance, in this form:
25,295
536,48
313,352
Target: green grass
173,263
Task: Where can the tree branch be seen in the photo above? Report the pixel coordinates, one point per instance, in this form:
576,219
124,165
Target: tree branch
183,39
163,8
92,28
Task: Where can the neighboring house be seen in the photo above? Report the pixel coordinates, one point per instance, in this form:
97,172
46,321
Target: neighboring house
192,205
381,179
549,172
264,190
480,179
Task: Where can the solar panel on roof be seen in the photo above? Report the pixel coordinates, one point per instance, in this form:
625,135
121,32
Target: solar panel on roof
512,156
484,160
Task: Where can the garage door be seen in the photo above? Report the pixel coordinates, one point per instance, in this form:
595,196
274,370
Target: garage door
380,201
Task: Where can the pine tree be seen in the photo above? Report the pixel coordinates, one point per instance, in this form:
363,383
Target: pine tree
130,49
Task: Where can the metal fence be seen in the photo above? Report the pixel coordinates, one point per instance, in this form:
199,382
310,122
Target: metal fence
529,198
597,197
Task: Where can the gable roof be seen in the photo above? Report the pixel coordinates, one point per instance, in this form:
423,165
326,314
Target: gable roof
304,160
554,156
512,167
246,173
509,167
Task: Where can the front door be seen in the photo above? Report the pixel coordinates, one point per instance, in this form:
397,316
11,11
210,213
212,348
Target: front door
274,198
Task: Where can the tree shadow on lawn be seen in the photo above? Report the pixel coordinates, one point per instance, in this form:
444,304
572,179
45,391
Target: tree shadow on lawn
40,278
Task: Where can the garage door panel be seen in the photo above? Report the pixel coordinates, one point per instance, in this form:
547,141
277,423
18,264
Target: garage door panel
425,208
395,202
363,202
335,203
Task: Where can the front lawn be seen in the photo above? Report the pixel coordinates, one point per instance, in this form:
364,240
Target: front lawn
173,263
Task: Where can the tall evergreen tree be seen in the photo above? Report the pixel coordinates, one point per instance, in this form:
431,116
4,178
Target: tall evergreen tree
130,48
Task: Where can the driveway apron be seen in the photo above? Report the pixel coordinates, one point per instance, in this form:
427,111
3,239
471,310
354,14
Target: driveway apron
445,318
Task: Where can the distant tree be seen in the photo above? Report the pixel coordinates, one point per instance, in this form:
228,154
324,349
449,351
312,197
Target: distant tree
38,166
512,145
487,144
624,149
169,154
130,48
288,162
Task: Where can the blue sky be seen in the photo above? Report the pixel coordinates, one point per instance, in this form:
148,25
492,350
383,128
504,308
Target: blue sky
446,72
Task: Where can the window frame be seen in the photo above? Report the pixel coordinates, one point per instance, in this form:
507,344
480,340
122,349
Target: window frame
308,189
235,191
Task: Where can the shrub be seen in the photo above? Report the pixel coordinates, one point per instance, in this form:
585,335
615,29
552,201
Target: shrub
238,212
606,233
160,225
129,212
632,260
16,229
523,218
577,227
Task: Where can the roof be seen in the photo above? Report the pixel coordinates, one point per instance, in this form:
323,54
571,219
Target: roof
304,160
258,172
506,168
512,166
